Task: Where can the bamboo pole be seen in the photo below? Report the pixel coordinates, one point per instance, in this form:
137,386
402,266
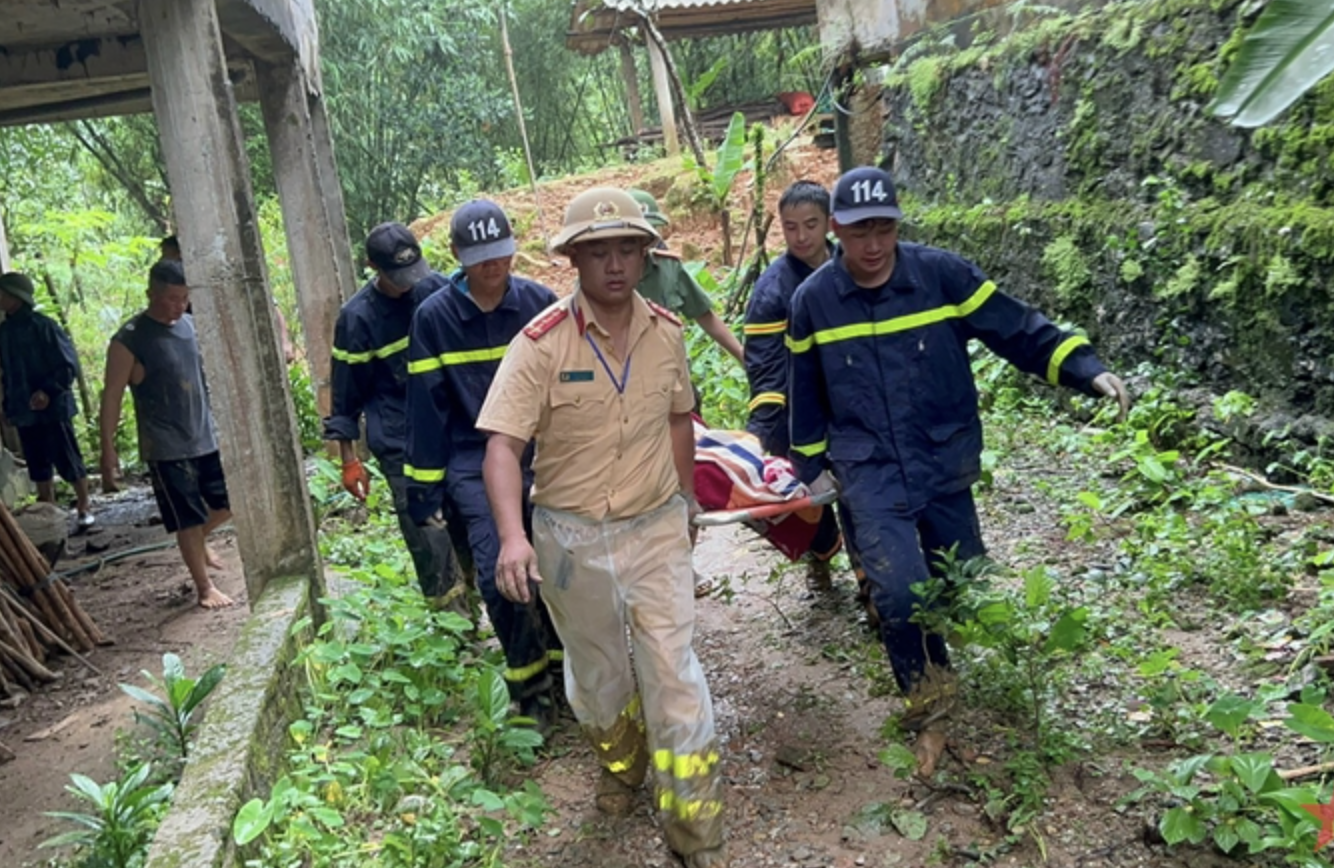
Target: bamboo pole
29,665
47,633
518,115
47,593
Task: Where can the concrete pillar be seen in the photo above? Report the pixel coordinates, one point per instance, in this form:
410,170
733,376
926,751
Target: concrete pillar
220,242
662,90
630,76
316,243
349,276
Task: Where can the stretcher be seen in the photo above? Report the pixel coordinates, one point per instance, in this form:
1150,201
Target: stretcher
736,483
718,518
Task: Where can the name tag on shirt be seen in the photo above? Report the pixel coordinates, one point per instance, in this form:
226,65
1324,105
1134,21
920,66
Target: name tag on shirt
576,376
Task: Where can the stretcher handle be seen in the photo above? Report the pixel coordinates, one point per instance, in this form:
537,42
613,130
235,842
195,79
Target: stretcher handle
767,510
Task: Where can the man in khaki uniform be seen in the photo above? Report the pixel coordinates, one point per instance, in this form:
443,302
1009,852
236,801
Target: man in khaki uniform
600,380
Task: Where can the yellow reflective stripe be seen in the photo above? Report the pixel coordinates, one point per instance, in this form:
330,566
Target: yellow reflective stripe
523,673
383,352
768,398
631,712
556,656
813,449
350,358
685,766
689,809
623,765
463,357
899,323
764,328
423,366
1067,346
423,474
490,354
801,346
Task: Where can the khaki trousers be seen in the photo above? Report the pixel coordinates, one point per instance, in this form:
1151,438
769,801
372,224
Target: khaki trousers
598,578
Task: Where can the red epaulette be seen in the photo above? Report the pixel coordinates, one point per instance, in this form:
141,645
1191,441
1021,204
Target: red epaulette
546,322
670,254
663,312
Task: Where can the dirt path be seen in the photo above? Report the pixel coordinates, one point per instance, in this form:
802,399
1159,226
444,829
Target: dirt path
146,604
799,736
801,694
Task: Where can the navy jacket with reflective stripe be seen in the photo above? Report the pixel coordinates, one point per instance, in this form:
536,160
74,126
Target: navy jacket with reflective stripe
370,368
766,351
37,356
880,386
452,358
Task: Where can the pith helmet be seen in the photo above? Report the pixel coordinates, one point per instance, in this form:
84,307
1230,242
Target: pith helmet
652,213
603,212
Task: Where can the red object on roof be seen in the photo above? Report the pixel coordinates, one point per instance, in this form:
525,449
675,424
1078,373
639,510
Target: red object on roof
797,102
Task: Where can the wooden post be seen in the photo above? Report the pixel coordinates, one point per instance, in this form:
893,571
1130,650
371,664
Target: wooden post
630,75
215,214
662,91
313,240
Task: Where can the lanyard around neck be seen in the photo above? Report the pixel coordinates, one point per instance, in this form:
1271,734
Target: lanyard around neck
625,372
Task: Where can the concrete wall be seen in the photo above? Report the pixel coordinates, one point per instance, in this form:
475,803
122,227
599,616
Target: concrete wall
1077,164
242,742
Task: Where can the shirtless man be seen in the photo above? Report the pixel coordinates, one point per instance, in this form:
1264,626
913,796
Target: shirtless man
157,356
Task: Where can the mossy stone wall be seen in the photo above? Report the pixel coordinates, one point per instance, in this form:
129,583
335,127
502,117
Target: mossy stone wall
1075,161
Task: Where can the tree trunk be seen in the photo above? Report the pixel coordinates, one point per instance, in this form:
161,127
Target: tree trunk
674,77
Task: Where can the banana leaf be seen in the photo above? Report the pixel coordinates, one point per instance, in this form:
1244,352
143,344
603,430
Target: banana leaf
1289,50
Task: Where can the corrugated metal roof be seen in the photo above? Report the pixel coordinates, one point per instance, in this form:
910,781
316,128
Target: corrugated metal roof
594,23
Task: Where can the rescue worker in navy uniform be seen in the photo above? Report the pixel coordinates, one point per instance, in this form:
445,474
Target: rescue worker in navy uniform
370,378
803,213
882,397
459,336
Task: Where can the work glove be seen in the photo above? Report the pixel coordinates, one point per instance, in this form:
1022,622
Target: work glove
356,481
823,484
1109,385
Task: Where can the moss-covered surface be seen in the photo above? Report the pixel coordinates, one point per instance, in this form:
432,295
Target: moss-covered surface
1076,161
241,742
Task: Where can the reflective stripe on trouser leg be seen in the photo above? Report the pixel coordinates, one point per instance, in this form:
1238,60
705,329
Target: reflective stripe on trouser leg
646,560
518,627
431,550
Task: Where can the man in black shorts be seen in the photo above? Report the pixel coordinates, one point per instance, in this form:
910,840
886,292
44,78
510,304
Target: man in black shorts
156,354
39,367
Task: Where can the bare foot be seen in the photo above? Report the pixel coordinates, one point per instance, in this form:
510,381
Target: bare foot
215,599
211,558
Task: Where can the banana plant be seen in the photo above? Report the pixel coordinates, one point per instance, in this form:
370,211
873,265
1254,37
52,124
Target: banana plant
729,162
170,714
1288,51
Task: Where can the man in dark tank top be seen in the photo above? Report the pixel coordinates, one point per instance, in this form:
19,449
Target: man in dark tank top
156,355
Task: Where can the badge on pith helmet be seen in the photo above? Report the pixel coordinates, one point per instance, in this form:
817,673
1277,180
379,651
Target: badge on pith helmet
603,212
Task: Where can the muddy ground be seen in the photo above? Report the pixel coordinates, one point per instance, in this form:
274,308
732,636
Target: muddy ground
797,685
146,604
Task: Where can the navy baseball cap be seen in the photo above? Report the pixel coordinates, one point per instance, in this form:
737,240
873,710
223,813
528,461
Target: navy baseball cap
480,231
866,193
393,249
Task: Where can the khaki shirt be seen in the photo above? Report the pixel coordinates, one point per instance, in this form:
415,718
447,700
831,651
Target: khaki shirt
601,453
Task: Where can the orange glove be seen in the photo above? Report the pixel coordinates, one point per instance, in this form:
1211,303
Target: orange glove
356,481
